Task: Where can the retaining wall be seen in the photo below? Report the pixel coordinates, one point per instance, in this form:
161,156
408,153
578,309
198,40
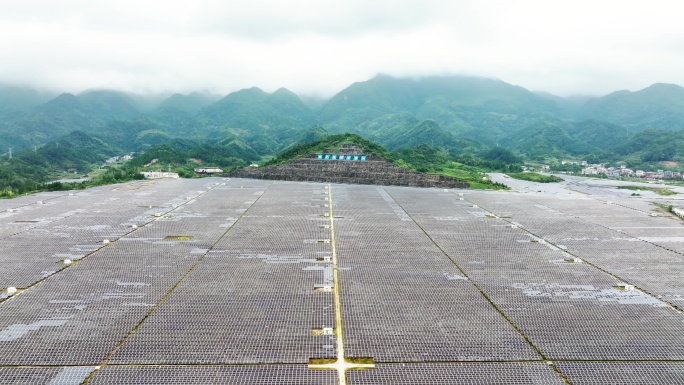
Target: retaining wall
374,171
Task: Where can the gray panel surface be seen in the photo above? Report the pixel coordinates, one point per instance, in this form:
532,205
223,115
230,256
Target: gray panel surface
457,373
200,375
626,373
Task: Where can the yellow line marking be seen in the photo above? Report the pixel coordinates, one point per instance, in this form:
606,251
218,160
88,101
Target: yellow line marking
341,364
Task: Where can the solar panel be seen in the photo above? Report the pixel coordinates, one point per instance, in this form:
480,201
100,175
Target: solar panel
212,280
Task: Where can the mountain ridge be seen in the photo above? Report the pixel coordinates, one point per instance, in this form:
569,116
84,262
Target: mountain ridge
461,114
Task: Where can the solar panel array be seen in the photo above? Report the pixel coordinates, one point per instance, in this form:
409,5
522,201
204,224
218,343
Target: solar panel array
567,310
252,299
22,376
621,238
201,375
214,281
404,301
467,373
627,373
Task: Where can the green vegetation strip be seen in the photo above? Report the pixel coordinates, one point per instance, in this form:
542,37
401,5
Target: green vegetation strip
534,177
178,238
657,190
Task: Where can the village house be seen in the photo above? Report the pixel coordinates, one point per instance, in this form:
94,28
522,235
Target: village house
208,170
589,171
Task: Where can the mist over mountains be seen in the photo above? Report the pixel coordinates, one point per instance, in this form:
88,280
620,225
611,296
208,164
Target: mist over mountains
456,113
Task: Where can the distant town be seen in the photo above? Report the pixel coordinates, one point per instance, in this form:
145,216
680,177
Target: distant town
621,171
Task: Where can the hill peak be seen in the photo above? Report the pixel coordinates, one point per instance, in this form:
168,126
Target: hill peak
665,89
245,95
64,100
283,91
664,86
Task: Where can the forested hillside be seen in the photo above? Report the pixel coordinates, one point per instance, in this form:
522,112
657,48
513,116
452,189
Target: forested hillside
462,118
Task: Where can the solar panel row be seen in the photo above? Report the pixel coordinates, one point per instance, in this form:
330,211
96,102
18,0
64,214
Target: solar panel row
216,284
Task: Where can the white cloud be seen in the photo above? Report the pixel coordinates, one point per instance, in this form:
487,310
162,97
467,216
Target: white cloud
321,46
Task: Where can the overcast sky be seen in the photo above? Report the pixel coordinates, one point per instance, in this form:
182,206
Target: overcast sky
319,47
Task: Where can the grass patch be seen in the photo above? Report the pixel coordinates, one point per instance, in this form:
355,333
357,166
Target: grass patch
361,360
322,361
323,332
178,238
534,177
469,174
657,190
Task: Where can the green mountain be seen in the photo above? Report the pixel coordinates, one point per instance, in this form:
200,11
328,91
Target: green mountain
476,107
546,140
398,130
310,135
254,109
187,104
134,135
462,117
659,106
652,146
15,99
108,105
331,143
601,135
47,122
178,111
182,156
364,101
89,112
27,170
570,106
76,150
264,121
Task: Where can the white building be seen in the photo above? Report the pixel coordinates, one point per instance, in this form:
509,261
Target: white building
159,175
208,170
